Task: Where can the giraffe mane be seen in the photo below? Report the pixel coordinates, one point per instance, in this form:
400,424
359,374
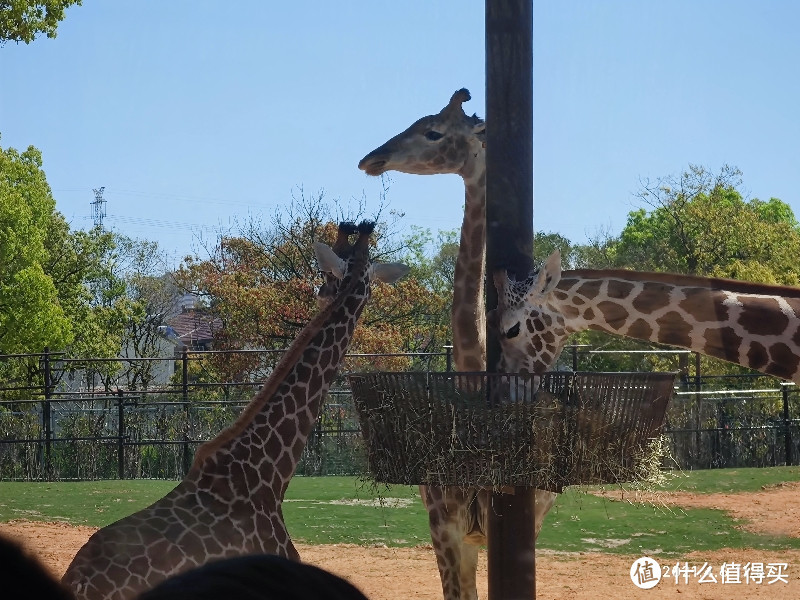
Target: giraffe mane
284,366
731,285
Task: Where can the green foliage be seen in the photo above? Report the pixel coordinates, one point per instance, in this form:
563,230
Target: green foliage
23,20
544,244
81,265
30,314
697,224
701,224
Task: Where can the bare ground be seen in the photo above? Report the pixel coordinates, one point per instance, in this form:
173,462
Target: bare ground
389,573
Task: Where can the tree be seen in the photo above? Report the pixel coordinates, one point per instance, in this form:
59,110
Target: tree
149,293
701,224
697,224
544,244
262,282
30,315
23,20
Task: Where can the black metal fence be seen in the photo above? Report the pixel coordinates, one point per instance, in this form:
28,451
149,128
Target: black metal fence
53,429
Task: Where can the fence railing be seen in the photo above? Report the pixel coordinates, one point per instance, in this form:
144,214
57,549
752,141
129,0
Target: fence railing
55,429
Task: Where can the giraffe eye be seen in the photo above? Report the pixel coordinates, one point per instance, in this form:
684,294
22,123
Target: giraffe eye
513,332
433,135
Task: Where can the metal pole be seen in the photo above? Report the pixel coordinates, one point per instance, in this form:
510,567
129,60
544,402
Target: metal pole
120,435
185,392
787,431
509,245
46,415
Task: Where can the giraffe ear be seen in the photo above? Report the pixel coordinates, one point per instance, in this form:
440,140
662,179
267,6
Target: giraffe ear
328,261
549,276
500,277
479,131
389,272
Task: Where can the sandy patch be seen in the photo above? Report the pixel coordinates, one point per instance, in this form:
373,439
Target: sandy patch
390,573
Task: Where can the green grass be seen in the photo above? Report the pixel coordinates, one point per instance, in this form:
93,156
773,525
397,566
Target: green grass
727,481
328,510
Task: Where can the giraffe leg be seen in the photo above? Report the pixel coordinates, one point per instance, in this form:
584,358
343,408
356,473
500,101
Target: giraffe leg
544,501
447,535
469,569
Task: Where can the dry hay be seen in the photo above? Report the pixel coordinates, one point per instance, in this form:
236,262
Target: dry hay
493,431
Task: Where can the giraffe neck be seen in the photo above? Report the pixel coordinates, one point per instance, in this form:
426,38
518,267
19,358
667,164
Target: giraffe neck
752,325
266,442
468,316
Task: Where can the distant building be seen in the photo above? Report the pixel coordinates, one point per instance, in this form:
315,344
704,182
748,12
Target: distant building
192,328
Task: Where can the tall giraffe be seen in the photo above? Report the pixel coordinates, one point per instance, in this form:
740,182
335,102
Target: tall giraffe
229,503
749,324
452,142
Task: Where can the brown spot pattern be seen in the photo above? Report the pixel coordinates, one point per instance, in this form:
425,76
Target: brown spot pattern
590,288
640,330
762,316
757,356
672,329
784,361
702,307
614,314
654,296
619,289
723,342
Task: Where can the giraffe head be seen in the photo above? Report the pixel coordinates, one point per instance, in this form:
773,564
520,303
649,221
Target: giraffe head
447,142
531,329
346,266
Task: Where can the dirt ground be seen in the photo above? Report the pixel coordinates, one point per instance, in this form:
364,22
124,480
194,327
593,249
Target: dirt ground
389,573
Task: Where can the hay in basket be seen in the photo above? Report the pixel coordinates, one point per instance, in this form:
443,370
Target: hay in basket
495,430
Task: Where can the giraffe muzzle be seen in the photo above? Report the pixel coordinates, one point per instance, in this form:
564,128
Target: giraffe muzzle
372,165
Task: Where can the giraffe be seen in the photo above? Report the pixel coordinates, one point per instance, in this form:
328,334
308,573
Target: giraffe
749,324
452,142
230,502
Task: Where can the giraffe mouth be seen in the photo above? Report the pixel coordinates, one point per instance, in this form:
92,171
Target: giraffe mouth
372,167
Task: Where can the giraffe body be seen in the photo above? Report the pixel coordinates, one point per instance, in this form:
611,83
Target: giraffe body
748,324
229,504
452,142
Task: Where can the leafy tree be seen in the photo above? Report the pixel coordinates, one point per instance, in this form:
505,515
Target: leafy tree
76,292
81,265
30,315
545,244
262,284
697,224
149,297
701,224
23,20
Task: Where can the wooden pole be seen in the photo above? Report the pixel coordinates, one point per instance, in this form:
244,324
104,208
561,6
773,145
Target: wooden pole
509,245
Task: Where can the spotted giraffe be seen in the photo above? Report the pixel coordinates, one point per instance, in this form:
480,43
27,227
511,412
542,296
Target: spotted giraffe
229,504
749,324
452,142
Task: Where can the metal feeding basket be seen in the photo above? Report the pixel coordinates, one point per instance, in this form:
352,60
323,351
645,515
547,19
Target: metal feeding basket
495,430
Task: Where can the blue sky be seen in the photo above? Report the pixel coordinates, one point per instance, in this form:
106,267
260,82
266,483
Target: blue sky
192,116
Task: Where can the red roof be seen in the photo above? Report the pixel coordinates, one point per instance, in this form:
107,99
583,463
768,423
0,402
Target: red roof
194,327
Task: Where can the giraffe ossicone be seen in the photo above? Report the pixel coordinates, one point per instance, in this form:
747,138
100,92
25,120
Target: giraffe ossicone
749,324
230,502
